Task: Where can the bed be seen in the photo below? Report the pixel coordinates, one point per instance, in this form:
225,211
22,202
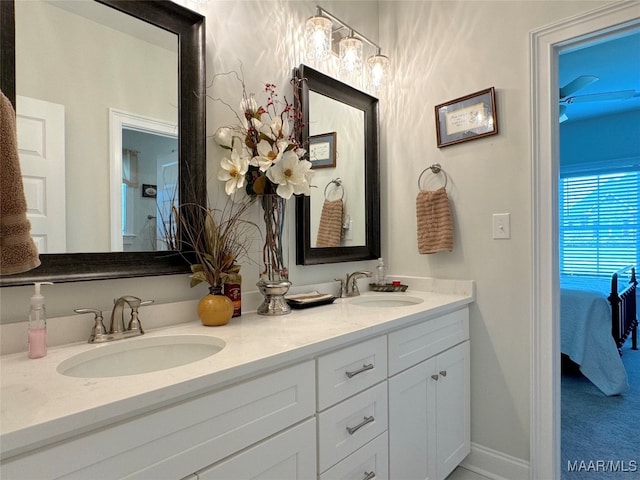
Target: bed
597,316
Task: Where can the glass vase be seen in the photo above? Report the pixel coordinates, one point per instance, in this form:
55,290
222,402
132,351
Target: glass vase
274,270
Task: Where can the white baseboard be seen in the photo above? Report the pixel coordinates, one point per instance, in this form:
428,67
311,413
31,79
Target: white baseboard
494,464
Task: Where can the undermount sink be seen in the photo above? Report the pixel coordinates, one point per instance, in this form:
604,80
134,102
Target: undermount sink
140,355
385,301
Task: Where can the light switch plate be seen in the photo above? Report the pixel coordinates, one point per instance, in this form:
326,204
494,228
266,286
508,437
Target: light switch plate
501,226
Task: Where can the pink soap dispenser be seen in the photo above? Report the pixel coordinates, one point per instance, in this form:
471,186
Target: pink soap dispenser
38,324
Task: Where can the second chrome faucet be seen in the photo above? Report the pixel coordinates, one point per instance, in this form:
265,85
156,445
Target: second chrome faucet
350,287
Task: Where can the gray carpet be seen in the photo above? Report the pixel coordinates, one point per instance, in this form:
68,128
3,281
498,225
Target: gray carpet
600,434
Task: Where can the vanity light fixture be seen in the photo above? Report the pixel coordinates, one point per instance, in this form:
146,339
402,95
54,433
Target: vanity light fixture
318,35
326,34
378,70
351,56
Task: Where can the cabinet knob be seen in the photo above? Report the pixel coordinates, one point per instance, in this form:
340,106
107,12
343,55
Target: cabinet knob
443,373
369,475
435,376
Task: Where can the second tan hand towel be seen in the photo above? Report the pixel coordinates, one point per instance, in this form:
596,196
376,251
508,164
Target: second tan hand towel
435,226
330,228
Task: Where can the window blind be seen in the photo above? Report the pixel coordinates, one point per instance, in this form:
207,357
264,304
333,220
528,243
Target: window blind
599,231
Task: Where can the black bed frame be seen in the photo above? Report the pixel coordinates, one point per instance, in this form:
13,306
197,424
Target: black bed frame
624,320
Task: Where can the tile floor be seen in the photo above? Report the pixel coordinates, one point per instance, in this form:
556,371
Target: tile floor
464,474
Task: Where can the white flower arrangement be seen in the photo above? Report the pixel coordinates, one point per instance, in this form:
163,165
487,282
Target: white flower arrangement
264,155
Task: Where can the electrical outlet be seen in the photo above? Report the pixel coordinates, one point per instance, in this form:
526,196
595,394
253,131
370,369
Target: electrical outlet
501,226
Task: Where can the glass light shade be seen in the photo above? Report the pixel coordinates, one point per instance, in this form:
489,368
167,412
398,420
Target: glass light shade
378,71
351,57
318,37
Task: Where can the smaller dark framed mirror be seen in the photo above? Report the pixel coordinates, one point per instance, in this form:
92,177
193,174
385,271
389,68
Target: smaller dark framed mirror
340,132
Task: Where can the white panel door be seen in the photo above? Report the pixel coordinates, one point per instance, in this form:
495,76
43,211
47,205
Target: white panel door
40,127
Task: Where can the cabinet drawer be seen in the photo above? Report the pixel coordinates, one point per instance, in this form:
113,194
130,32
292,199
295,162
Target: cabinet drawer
178,440
290,455
349,425
368,462
414,344
346,372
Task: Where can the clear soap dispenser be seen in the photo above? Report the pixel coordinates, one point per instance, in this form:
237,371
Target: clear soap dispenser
38,324
381,273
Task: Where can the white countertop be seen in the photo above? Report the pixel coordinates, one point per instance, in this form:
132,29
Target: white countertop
40,406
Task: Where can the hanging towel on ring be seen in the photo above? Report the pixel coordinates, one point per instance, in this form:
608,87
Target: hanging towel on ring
435,226
330,228
18,253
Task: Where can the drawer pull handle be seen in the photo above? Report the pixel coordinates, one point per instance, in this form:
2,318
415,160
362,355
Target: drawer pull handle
435,377
443,373
356,372
366,420
369,475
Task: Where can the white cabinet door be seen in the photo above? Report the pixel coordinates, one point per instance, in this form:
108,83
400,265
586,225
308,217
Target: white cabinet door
429,416
290,455
412,435
453,399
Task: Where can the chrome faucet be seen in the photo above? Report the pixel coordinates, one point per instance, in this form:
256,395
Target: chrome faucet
117,329
117,314
352,282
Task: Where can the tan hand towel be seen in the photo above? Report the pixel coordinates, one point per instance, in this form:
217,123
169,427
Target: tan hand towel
330,228
18,253
435,227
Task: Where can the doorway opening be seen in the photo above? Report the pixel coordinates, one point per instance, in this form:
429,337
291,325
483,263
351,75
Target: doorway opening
546,43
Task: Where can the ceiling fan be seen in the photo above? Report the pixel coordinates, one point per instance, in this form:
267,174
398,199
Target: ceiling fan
567,96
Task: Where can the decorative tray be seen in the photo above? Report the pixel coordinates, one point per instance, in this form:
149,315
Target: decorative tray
387,287
310,299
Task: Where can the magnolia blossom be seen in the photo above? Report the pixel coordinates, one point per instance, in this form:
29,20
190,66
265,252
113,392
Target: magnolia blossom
268,154
224,137
233,169
249,105
291,175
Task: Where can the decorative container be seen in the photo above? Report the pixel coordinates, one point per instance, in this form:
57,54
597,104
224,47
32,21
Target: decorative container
215,309
232,288
387,287
274,272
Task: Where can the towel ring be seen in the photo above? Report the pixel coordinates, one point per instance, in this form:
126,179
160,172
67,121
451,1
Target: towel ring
435,168
338,182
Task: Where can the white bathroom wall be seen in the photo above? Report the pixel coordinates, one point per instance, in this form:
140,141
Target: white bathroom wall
441,51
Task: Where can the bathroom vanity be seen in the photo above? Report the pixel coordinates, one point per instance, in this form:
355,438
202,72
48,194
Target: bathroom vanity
355,389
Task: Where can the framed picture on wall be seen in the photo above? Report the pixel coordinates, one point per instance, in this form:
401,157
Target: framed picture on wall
322,150
467,118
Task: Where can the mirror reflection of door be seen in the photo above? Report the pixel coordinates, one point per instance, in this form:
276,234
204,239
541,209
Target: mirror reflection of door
40,129
167,177
329,115
148,188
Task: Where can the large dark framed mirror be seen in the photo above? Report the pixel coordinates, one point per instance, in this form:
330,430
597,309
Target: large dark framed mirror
340,132
185,30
